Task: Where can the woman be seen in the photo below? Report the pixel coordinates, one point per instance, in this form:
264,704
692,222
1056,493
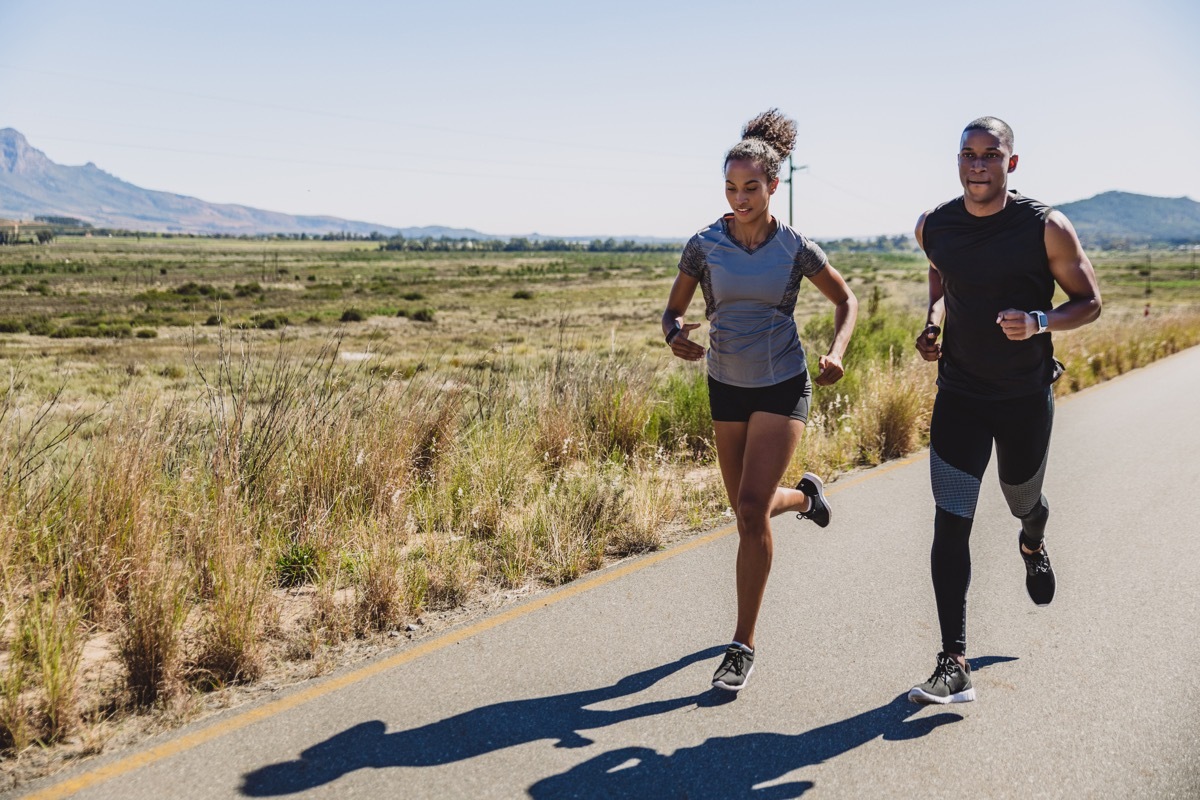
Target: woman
749,267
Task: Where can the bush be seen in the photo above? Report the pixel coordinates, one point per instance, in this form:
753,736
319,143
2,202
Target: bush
10,325
353,315
413,296
422,315
147,333
213,319
522,294
682,420
39,326
298,565
269,322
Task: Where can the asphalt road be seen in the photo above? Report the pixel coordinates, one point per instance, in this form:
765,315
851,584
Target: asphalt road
602,689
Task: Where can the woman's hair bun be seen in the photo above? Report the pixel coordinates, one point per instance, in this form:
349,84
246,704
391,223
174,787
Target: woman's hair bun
766,140
773,128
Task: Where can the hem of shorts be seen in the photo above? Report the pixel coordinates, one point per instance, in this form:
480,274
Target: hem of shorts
775,382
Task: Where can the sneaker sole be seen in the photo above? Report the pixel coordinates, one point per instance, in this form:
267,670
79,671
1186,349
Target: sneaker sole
923,698
821,494
729,687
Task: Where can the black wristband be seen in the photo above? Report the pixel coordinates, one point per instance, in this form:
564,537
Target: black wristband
673,333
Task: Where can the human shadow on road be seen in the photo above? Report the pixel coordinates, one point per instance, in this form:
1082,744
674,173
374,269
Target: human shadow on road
472,733
732,766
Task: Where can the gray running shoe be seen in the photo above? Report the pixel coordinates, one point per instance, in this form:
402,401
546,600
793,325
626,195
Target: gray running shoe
949,683
1039,575
735,669
819,510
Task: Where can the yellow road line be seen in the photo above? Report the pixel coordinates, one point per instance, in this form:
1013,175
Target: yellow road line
175,746
167,749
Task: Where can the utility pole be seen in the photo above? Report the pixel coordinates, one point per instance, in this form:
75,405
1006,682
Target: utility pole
792,170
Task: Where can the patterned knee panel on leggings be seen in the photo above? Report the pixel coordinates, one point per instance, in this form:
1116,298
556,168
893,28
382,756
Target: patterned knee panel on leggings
1024,498
954,490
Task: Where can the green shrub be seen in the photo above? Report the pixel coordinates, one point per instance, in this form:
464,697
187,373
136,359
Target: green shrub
269,322
682,421
422,315
147,333
413,296
353,315
522,294
298,565
39,326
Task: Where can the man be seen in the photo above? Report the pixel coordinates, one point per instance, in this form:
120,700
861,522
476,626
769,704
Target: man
994,259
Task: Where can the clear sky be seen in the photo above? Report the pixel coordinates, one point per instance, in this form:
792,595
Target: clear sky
603,118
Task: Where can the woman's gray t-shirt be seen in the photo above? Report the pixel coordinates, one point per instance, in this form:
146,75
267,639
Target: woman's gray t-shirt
749,299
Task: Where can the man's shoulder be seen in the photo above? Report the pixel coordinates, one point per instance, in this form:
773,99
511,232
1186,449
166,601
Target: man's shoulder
949,207
1031,206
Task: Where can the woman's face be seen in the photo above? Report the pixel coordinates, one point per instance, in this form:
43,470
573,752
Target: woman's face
748,190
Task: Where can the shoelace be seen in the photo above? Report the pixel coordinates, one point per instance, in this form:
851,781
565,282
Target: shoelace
735,660
943,670
1037,562
812,507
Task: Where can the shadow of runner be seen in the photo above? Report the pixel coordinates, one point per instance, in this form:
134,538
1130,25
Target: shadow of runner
724,767
466,735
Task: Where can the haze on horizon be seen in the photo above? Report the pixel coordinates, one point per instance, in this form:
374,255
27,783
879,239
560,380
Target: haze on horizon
533,117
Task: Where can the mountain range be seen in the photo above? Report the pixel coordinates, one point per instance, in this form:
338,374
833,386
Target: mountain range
33,185
1116,218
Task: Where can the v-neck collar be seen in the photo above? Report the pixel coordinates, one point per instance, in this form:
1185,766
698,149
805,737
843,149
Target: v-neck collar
729,235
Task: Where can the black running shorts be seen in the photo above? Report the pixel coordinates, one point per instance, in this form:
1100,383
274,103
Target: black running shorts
736,403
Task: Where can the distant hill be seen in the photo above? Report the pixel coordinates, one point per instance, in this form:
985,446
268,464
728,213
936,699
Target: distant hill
1121,218
33,185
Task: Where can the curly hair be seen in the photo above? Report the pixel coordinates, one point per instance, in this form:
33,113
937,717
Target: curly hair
996,127
766,140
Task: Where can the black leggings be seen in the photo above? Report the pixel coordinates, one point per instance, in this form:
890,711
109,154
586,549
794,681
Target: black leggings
961,433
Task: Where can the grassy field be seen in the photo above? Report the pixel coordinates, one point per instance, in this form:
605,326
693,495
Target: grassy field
223,459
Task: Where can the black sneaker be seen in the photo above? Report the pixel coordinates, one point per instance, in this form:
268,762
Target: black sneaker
1039,575
949,683
735,669
818,510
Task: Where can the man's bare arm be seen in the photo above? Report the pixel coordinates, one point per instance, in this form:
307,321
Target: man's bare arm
1073,272
927,341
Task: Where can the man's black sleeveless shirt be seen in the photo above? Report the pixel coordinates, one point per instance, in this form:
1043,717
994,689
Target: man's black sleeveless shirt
988,264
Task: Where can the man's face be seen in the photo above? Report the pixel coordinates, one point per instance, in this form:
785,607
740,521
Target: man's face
983,166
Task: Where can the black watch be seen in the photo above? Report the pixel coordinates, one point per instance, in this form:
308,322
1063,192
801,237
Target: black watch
673,333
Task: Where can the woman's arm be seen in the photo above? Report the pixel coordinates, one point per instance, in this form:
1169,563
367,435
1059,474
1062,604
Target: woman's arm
845,313
675,330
